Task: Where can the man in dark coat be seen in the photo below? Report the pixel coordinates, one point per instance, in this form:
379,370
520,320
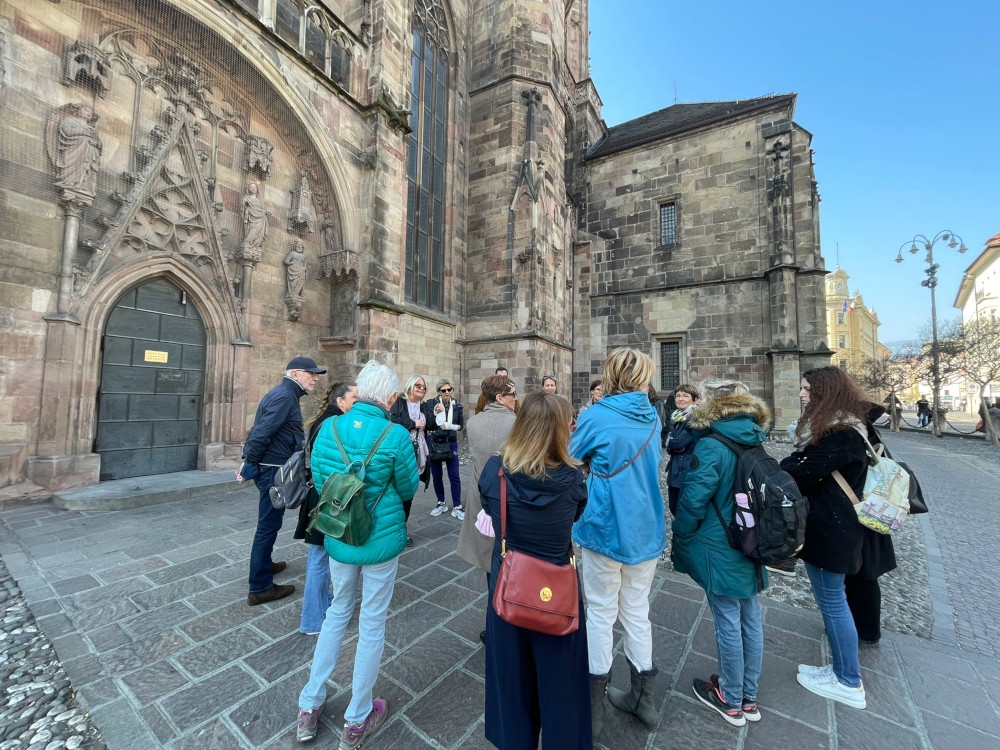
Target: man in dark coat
276,434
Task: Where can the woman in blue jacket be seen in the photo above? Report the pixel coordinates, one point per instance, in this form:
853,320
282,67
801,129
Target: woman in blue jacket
701,547
535,682
622,531
390,479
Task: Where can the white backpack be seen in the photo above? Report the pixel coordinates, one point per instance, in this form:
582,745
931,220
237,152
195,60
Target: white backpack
886,502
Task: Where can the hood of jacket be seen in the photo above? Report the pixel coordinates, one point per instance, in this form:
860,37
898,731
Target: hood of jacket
634,405
727,415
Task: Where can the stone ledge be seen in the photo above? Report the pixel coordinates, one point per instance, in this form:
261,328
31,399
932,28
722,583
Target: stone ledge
138,492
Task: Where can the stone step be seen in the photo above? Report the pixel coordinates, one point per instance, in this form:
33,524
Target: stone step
137,492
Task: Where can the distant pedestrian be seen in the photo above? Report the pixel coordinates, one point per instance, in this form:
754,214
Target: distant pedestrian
390,479
701,547
276,434
923,412
596,392
536,683
549,384
482,403
316,592
830,437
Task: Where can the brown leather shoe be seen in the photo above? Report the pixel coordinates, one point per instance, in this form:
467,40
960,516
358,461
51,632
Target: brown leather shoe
277,567
272,594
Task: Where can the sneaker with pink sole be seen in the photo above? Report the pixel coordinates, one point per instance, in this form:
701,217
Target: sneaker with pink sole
355,734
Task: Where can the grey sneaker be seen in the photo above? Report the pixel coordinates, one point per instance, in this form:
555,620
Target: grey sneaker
438,510
459,514
307,724
828,686
354,735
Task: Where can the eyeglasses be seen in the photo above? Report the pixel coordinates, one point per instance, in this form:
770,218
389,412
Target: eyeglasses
446,390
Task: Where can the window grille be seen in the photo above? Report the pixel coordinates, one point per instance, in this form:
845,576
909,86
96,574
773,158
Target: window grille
668,224
670,365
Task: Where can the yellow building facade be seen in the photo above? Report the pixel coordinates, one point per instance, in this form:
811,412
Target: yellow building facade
852,328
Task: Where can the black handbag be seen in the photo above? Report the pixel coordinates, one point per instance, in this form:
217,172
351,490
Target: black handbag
916,497
438,447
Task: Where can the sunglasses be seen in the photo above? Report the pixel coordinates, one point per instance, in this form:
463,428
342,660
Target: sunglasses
445,390
421,386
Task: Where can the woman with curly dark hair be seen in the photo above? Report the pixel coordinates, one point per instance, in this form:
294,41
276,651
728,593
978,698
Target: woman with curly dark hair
830,436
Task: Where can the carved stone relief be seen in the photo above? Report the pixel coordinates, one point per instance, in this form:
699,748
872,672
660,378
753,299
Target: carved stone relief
254,225
88,66
74,147
259,156
295,278
301,217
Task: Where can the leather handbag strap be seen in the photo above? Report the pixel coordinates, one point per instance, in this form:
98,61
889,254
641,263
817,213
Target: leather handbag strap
845,487
503,520
631,460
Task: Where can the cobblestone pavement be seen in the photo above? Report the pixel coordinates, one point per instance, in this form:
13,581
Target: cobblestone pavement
146,610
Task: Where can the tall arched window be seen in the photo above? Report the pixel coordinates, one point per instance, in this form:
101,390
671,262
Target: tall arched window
426,157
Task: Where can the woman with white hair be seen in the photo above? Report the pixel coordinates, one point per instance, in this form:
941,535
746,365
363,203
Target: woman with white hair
622,531
390,479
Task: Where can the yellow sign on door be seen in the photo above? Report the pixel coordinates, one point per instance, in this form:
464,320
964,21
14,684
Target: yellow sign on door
152,356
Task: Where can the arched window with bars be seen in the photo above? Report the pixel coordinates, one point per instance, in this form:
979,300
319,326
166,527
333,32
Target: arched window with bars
426,156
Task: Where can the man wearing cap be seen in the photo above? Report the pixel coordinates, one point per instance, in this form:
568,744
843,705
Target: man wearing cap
276,434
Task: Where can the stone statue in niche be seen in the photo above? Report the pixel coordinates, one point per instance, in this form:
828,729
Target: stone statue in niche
88,66
254,224
301,217
259,156
295,278
75,148
343,306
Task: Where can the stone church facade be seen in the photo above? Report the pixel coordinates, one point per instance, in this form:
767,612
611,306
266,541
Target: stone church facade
194,191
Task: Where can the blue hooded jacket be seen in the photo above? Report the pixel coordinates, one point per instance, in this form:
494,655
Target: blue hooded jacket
624,518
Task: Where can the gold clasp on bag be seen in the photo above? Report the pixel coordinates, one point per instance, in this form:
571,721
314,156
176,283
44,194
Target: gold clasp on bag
545,594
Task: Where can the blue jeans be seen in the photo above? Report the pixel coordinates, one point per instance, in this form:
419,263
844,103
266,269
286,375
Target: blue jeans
739,638
268,524
831,598
453,477
379,581
316,596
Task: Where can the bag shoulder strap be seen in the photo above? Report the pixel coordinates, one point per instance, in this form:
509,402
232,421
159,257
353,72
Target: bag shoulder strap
735,447
343,453
631,460
503,518
839,478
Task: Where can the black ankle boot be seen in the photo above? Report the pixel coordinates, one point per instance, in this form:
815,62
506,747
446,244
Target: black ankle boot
598,688
639,700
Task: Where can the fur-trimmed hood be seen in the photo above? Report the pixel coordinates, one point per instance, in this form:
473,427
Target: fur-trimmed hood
731,406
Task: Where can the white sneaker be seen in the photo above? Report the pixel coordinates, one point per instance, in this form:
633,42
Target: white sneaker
438,510
828,686
806,669
459,514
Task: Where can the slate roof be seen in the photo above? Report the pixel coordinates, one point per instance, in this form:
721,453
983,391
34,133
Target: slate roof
679,118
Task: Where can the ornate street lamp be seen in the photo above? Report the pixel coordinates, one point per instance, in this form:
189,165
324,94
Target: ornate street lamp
953,241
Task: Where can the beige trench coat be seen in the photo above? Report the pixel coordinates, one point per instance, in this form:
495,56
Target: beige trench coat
486,432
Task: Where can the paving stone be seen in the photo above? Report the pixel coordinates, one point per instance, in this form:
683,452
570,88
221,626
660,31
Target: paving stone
946,733
430,577
213,695
70,646
234,571
953,698
83,669
157,724
685,723
778,731
56,625
183,555
220,596
185,569
171,592
704,638
154,681
448,711
932,661
455,598
99,692
425,661
113,611
675,612
270,712
855,730
403,594
149,548
213,736
46,607
131,569
887,697
668,651
780,692
281,618
881,658
991,680
108,593
798,622
159,620
468,623
409,624
136,655
121,728
400,736
74,585
220,651
455,563
274,661
223,619
795,648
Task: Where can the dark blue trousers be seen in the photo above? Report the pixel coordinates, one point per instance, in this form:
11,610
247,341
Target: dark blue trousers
437,475
536,683
268,524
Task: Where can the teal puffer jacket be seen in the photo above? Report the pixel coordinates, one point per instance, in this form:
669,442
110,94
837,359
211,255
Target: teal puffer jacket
701,548
392,468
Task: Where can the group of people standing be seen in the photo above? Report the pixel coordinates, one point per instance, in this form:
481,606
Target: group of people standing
591,479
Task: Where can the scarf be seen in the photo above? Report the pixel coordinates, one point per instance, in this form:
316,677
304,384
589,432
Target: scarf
801,439
680,415
417,435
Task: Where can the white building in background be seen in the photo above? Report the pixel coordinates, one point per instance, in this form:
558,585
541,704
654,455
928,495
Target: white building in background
978,296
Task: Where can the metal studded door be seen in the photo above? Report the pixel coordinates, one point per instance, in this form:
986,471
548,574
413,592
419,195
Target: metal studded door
152,377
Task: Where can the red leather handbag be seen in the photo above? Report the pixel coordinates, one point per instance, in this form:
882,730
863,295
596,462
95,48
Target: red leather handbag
531,593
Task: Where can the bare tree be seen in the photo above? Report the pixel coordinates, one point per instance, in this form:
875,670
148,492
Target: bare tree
980,344
891,375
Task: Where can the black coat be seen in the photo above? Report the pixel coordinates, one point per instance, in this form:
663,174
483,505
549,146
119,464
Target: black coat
277,428
834,536
312,499
400,414
681,450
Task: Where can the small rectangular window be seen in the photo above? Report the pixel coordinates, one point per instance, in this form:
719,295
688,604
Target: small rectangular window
668,224
843,364
841,342
670,365
840,319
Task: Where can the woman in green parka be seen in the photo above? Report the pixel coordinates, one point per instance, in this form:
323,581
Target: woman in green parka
701,548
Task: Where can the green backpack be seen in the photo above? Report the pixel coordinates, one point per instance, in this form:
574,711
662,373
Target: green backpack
341,512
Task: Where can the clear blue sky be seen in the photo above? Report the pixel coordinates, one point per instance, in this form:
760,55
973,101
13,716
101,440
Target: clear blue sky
902,99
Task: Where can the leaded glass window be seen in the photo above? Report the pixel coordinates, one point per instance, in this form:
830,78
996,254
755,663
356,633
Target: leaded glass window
670,365
426,156
668,224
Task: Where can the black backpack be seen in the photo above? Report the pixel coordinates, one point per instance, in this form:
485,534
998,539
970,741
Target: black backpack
778,508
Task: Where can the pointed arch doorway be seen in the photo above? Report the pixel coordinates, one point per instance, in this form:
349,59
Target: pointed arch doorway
152,383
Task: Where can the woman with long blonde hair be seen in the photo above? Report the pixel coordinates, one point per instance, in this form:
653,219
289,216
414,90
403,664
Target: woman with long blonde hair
536,683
